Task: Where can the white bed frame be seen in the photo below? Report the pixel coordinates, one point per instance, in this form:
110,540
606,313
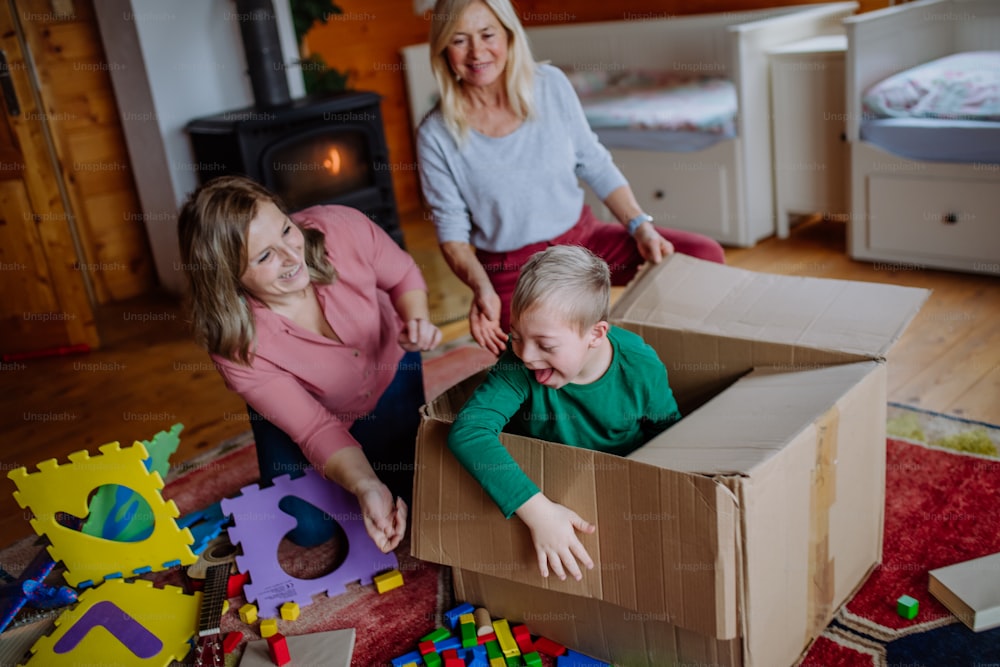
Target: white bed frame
909,213
725,191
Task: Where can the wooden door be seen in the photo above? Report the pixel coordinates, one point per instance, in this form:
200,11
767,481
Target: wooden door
44,301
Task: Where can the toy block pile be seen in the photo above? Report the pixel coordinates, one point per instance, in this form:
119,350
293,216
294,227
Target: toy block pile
473,638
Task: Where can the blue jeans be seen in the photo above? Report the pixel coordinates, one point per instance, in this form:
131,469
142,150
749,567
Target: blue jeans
387,436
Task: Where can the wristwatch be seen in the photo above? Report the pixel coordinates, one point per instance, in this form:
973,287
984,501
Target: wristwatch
634,223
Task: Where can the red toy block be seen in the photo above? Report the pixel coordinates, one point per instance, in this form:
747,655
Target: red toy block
278,648
231,641
449,654
519,630
492,637
454,662
523,638
426,647
549,647
235,584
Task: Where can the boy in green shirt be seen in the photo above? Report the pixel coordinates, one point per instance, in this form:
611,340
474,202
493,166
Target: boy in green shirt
568,377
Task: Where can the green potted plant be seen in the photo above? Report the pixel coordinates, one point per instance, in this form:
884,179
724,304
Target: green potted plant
318,76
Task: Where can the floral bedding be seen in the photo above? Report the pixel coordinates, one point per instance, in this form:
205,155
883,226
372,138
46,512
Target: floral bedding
961,86
645,99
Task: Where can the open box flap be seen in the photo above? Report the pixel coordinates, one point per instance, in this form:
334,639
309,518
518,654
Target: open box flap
751,421
687,294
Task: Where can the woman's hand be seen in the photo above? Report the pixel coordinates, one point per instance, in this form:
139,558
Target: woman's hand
553,530
385,521
419,335
652,246
484,322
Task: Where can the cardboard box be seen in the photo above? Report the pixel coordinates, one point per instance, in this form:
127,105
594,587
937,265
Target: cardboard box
734,536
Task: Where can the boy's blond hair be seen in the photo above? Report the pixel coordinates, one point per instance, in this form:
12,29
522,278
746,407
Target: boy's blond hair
571,281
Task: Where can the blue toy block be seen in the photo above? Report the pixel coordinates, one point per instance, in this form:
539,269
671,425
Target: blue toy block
445,644
451,616
574,659
412,656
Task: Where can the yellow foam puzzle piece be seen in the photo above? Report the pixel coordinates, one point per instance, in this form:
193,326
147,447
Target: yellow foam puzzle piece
88,559
119,623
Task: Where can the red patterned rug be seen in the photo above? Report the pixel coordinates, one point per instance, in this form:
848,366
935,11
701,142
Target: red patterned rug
942,507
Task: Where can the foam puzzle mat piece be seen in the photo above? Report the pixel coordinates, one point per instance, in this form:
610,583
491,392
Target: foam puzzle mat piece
259,526
88,559
120,623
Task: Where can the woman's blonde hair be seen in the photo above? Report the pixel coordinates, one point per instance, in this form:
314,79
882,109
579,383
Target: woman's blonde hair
571,282
212,230
519,74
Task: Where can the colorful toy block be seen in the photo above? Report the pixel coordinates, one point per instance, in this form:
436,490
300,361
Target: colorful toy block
413,657
436,635
491,637
268,627
907,607
277,648
507,644
532,659
290,611
493,649
451,616
498,662
467,632
448,643
433,660
248,613
388,580
549,647
484,623
574,659
523,639
231,641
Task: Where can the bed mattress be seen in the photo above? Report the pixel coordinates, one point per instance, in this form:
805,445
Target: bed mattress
933,140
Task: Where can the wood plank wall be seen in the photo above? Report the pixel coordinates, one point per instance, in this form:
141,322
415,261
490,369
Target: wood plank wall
366,39
79,106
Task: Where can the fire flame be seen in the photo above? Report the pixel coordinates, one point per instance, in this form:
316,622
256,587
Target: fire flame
332,163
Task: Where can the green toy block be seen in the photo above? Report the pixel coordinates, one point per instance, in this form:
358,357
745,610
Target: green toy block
436,635
515,661
468,635
907,607
432,660
493,649
533,659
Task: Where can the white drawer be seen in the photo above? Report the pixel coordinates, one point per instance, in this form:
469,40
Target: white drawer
922,216
688,191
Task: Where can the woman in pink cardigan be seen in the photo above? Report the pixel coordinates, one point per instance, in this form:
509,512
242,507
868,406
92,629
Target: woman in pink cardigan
317,320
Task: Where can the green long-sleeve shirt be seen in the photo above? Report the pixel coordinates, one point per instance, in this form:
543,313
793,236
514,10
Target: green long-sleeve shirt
616,413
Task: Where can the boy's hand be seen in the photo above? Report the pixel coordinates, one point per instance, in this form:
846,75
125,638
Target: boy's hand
553,530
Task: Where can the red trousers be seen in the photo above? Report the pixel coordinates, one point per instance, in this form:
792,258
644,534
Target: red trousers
609,241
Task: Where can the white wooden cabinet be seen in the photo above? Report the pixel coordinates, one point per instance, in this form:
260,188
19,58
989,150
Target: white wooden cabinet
808,123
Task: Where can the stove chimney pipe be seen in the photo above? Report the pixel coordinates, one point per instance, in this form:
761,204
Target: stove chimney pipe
265,64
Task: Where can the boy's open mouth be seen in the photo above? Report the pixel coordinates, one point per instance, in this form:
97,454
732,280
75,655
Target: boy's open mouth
543,374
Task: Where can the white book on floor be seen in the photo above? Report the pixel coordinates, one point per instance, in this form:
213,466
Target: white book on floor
970,590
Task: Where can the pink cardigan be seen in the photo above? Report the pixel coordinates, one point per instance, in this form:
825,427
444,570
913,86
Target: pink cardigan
314,388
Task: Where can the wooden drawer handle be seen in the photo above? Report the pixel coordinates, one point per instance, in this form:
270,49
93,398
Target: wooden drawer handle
659,194
950,218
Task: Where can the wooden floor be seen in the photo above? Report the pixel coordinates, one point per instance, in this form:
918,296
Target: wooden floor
149,374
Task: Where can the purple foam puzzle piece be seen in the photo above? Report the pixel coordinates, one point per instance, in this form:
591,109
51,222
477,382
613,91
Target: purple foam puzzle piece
259,526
